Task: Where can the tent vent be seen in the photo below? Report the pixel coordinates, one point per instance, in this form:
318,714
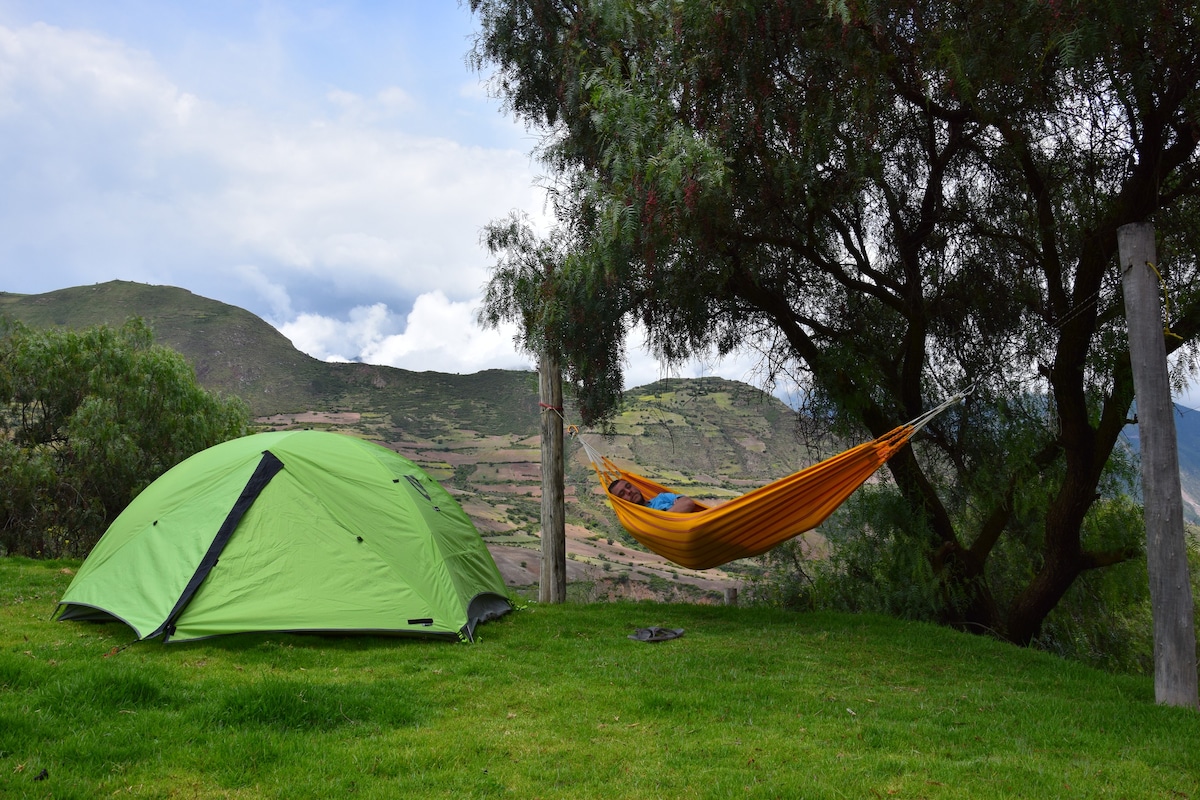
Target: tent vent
417,485
426,621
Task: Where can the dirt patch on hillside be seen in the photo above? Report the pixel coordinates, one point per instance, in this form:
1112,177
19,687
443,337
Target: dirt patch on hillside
313,418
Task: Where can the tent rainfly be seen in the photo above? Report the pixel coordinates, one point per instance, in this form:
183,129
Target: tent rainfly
290,531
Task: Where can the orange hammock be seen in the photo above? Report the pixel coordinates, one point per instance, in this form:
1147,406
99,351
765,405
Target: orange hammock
760,519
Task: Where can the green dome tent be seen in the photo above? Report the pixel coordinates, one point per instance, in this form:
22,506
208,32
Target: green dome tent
300,531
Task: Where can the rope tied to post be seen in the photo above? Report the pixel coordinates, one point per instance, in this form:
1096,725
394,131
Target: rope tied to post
1166,303
571,430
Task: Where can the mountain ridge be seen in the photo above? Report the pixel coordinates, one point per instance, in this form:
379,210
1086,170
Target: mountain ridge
478,434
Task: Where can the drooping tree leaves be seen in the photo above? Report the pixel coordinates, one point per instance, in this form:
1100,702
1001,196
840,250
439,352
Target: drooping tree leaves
891,201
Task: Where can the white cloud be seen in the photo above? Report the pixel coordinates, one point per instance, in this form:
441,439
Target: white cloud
642,368
388,102
321,337
438,334
326,217
442,335
126,174
368,210
275,295
395,100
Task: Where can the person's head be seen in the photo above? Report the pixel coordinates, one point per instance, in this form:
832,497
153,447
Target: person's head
626,491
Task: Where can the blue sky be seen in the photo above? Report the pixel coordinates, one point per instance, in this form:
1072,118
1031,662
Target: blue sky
325,164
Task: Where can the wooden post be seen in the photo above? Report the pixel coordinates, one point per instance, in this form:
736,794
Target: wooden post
552,586
1175,679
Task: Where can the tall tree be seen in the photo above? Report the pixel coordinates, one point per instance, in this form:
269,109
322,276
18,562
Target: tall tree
890,200
87,420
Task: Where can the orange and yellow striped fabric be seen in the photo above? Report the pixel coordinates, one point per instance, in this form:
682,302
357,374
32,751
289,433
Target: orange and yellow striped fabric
758,520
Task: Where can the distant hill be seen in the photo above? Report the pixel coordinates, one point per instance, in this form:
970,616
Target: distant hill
477,434
1187,434
232,350
236,353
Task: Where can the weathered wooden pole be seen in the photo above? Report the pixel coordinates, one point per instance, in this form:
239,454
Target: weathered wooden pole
552,586
1175,679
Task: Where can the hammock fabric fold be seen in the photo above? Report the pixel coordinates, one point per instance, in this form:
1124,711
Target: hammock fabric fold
760,519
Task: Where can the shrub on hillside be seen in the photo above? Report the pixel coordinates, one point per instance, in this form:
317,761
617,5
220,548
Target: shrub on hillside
87,420
873,566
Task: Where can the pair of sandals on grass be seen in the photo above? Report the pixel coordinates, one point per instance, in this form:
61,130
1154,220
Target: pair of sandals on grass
655,634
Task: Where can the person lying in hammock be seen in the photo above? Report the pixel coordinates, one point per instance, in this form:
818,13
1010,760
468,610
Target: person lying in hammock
667,501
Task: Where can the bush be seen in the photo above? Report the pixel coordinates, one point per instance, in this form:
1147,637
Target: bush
1105,621
877,565
87,420
872,565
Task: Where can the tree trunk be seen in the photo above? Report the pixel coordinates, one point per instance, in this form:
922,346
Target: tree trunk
1031,607
552,587
1175,680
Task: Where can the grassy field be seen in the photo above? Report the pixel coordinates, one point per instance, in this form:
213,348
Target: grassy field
558,702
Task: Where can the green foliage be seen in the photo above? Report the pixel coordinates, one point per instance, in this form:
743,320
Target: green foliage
873,567
559,306
1105,620
890,201
87,420
783,580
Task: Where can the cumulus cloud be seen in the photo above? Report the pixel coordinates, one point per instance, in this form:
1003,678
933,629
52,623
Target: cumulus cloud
123,171
388,102
642,368
442,335
351,221
439,334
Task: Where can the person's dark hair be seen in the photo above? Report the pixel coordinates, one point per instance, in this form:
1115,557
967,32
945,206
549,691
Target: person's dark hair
614,483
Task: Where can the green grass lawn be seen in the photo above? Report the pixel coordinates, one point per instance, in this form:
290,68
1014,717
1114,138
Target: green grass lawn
558,702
